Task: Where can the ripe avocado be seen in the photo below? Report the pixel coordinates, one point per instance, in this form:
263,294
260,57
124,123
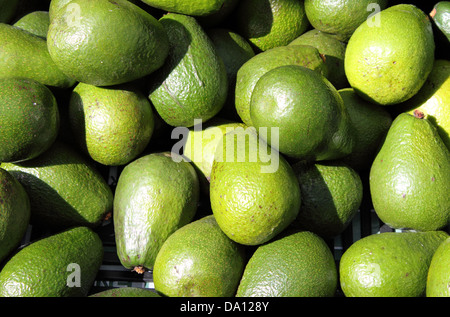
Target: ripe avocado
199,260
155,195
106,42
113,125
23,54
64,264
64,188
193,82
14,213
29,119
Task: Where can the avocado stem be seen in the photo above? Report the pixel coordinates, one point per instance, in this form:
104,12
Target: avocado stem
419,114
139,269
433,13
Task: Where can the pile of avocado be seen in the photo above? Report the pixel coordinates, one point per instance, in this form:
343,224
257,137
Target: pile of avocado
246,135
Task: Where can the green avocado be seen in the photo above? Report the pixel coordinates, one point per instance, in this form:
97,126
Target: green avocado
113,125
389,264
14,213
410,176
155,195
252,70
193,82
438,279
23,54
105,42
29,119
36,22
199,260
388,63
187,7
441,17
63,264
126,292
64,188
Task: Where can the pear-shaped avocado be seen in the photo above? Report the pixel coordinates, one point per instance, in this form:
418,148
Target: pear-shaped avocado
63,264
199,260
14,213
105,42
113,125
155,195
193,83
389,264
388,58
410,176
23,54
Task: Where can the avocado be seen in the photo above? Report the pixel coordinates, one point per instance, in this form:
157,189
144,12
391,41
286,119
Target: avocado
155,195
199,260
23,54
36,22
193,82
297,264
252,70
104,42
186,7
126,292
113,125
14,213
371,123
440,16
64,187
63,264
271,23
333,51
254,192
332,193
29,119
305,111
410,176
388,63
438,278
389,264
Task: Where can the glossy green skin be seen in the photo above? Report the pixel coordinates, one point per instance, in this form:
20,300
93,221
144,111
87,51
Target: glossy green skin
298,264
64,188
310,114
44,267
155,195
112,125
199,260
390,264
105,42
14,213
332,193
252,70
253,197
387,67
410,176
23,54
271,23
441,17
187,7
126,292
438,279
193,82
35,22
340,18
29,119
333,51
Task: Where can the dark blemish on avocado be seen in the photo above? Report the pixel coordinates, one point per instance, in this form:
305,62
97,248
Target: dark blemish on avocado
404,195
433,179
